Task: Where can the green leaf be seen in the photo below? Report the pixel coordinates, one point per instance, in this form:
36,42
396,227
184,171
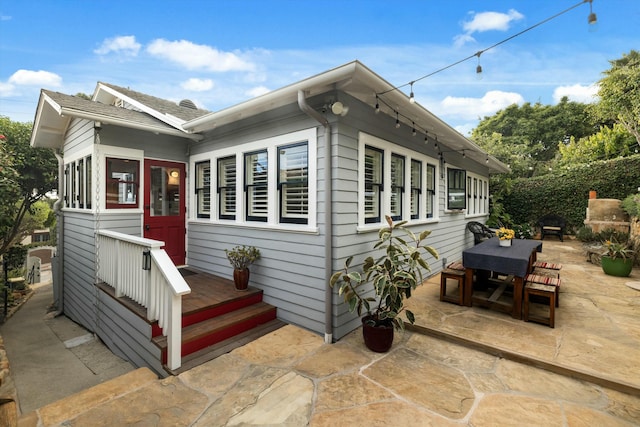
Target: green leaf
410,316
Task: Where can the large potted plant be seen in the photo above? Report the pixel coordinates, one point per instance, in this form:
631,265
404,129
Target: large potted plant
618,259
380,290
241,257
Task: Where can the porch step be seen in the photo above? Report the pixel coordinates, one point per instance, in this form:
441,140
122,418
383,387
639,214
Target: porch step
209,353
214,330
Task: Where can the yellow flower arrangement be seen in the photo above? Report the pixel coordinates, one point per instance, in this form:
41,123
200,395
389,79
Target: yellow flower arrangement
504,233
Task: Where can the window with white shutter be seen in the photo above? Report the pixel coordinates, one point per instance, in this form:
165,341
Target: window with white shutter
203,189
227,187
416,188
373,163
397,186
293,183
256,185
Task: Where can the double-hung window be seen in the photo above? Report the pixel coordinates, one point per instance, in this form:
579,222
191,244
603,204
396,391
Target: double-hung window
256,168
373,168
416,188
456,189
397,186
123,183
227,187
293,183
430,194
477,194
203,189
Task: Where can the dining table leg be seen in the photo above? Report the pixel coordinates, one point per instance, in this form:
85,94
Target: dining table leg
518,292
468,286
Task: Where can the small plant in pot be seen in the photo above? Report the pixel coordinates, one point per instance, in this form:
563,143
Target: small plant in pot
241,257
380,290
618,259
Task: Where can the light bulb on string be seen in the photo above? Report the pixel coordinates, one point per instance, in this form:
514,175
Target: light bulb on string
426,139
377,105
412,98
592,19
397,121
413,129
479,67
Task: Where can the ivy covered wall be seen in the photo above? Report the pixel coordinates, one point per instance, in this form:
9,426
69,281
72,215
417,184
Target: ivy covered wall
566,193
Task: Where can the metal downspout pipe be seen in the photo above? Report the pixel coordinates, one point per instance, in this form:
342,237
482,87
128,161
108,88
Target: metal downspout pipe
328,223
58,288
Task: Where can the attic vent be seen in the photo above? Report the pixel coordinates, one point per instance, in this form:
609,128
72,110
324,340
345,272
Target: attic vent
118,103
187,103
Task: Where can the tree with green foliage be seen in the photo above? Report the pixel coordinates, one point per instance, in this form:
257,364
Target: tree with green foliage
620,93
26,174
607,143
527,137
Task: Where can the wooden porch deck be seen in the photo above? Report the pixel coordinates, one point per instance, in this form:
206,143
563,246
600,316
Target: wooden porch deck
215,317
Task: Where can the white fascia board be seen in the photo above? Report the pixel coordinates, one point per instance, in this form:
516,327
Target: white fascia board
167,118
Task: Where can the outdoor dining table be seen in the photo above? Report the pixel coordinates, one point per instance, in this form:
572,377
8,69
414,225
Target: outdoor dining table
514,261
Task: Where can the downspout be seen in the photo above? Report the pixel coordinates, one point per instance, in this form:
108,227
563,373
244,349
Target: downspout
58,288
328,223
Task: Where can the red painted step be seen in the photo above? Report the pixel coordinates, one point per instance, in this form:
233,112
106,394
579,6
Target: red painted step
214,330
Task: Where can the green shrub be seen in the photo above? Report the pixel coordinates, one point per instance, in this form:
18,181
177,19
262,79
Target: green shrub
631,205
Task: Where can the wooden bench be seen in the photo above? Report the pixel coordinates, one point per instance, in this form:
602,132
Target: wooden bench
544,291
454,271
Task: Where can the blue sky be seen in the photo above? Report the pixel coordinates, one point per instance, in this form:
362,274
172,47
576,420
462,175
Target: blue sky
222,52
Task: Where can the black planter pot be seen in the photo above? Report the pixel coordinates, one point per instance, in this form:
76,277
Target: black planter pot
378,338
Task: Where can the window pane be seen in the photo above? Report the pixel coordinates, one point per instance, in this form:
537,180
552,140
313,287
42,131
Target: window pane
256,168
373,162
165,191
227,187
81,183
203,189
456,189
293,178
88,195
122,183
431,190
416,188
397,185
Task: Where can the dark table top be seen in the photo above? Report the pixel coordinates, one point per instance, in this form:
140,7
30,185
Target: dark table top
489,255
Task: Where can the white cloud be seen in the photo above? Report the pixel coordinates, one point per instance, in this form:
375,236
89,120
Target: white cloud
473,108
198,57
487,21
257,91
125,45
197,85
35,78
577,93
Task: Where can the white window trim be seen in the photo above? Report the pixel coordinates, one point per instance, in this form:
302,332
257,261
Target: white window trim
483,206
389,148
74,158
99,173
271,145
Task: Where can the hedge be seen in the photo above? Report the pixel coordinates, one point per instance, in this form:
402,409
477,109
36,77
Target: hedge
566,193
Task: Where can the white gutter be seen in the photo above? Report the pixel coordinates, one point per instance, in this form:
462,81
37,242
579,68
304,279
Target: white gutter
125,123
328,223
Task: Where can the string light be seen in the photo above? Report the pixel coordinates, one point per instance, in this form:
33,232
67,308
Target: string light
377,105
591,19
397,121
413,129
479,67
412,99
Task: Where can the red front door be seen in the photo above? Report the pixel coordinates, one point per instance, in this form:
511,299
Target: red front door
165,206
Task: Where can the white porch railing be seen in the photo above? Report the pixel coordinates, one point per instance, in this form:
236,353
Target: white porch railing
121,265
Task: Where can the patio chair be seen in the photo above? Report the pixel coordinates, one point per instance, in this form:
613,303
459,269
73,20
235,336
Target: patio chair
552,225
480,231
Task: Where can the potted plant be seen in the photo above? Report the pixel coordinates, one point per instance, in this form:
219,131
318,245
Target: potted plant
505,235
241,257
380,290
617,260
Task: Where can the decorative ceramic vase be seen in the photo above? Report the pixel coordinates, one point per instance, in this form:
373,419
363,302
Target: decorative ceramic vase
241,279
617,266
505,242
378,338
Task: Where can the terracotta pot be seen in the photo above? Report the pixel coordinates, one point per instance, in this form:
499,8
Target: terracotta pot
377,338
241,279
617,266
